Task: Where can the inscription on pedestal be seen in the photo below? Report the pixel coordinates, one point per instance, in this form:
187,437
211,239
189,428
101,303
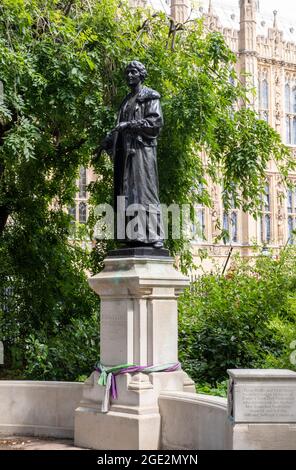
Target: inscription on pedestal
114,349
113,325
265,403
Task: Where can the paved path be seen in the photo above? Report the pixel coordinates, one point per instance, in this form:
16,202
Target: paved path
35,443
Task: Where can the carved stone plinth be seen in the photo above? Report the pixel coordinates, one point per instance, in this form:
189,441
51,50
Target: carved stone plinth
138,295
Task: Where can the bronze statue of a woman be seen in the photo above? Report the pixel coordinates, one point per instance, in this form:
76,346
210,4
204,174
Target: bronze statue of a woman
132,145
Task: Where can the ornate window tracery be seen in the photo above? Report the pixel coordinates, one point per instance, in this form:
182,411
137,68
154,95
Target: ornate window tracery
291,209
266,221
290,109
263,95
230,223
82,212
82,182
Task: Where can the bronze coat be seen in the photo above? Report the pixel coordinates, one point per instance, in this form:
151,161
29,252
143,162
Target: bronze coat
134,149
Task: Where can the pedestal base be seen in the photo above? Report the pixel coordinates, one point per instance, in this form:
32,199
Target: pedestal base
134,421
138,288
116,431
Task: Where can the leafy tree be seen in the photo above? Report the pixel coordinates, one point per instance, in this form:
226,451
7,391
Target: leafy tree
61,70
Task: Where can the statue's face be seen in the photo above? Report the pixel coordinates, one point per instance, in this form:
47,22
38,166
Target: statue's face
133,76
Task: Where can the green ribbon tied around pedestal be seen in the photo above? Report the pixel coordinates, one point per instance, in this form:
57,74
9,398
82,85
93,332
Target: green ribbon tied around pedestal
104,371
108,375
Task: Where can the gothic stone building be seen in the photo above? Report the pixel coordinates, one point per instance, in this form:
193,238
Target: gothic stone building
266,51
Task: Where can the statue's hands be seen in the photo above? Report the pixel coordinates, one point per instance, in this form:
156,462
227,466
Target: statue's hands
107,142
97,155
121,126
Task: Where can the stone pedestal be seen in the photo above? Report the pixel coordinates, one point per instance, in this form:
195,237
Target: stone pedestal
138,325
262,409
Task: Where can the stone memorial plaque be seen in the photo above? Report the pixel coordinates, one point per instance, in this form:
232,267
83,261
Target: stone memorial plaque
264,403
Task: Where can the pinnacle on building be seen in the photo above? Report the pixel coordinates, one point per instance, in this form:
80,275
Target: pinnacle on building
180,10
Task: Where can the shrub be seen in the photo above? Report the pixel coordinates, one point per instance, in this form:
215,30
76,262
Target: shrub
48,313
68,355
245,319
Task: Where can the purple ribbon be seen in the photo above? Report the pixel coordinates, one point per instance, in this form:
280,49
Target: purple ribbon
133,369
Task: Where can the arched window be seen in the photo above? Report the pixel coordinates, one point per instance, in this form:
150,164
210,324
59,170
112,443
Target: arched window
290,111
82,182
226,227
230,227
293,101
198,228
72,213
288,131
290,230
234,227
82,212
287,97
294,131
266,228
290,201
263,92
291,209
225,221
266,198
230,218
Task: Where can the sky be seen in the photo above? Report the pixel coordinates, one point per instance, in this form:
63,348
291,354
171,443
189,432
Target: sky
286,8
286,15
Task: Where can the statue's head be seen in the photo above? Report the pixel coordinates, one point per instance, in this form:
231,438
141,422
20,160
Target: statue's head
135,72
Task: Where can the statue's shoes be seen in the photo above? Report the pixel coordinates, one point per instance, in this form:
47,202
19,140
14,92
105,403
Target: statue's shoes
158,244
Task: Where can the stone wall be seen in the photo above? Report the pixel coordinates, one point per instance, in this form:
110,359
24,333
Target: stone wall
38,408
192,421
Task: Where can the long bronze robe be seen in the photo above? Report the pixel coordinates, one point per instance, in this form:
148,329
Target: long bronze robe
135,159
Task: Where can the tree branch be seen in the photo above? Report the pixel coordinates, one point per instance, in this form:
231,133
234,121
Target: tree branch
7,127
65,150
